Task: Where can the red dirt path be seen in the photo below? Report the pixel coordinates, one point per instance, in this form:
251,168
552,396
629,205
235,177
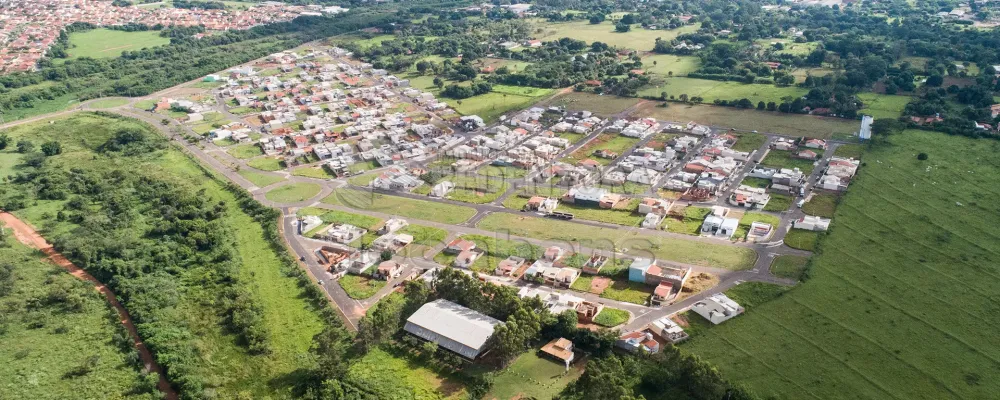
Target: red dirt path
27,235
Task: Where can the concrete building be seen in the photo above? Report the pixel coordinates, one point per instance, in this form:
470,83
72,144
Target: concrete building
717,308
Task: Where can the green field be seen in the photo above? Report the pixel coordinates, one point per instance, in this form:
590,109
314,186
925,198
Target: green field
533,377
899,302
802,239
54,326
610,317
388,376
221,360
360,287
787,266
318,172
711,90
883,105
502,99
670,64
107,43
821,205
604,106
784,159
685,251
605,141
854,151
418,209
266,163
763,121
636,39
293,192
259,178
778,203
107,103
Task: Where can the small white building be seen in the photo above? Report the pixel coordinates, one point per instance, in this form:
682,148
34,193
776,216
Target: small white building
717,308
812,223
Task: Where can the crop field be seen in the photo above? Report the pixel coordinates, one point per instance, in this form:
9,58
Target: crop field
712,90
670,64
647,245
899,299
637,39
409,208
883,105
763,121
107,43
605,141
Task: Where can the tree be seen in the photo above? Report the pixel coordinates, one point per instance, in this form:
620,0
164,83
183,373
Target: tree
51,148
620,27
25,146
596,19
381,323
330,347
4,141
935,80
628,19
386,255
883,128
761,106
922,156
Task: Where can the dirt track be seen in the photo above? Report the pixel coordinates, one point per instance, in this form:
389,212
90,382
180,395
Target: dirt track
27,235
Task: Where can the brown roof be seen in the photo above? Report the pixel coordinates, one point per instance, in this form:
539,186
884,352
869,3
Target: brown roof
559,348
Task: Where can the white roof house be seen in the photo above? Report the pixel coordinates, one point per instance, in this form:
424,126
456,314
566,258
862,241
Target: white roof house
812,223
717,308
456,328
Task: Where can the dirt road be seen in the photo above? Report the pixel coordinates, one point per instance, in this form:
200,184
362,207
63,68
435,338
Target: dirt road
27,235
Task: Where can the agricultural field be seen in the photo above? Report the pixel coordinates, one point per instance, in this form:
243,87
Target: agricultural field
407,208
883,105
685,251
293,192
58,334
107,43
712,90
287,314
763,121
636,39
897,302
532,376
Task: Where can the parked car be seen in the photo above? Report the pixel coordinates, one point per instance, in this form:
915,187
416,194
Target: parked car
800,203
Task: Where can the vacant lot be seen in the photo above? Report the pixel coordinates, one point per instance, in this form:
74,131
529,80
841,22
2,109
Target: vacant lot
636,39
293,192
419,209
533,377
883,105
670,64
610,317
259,178
605,141
822,205
491,105
360,287
389,376
107,43
685,251
784,159
802,239
789,266
764,121
899,302
604,106
712,90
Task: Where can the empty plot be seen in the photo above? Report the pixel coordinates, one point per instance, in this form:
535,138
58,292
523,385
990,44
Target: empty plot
763,121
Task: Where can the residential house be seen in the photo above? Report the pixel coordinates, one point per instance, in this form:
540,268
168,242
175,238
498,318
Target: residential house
442,189
509,266
638,342
392,225
717,308
560,349
388,270
342,233
668,330
749,197
653,205
459,245
812,223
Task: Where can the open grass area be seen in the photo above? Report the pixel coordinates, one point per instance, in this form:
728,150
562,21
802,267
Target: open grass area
318,172
267,163
293,192
53,324
289,318
670,64
605,141
849,150
340,217
627,217
898,303
821,205
883,105
497,249
784,159
244,151
753,294
410,208
672,249
637,39
502,99
107,103
502,172
763,121
751,217
610,317
260,179
712,90
476,189
360,287
802,239
107,43
628,291
778,203
604,106
788,266
755,182
533,376
748,142
390,376
689,223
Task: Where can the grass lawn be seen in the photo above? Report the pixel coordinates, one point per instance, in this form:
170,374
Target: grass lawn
410,208
293,192
883,105
756,182
894,305
628,291
850,151
476,189
637,39
627,217
778,203
802,239
107,43
690,223
604,141
533,377
604,106
788,266
670,64
144,104
821,205
260,179
360,287
502,99
43,341
749,141
363,166
750,218
107,103
502,172
244,151
763,121
784,159
610,317
410,378
497,249
340,217
711,90
752,294
672,249
267,163
313,172
288,316
9,161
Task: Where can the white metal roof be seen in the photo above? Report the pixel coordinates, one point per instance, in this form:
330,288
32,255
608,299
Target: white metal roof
452,326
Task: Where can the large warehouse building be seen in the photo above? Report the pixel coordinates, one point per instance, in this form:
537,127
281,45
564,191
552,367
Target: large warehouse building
456,328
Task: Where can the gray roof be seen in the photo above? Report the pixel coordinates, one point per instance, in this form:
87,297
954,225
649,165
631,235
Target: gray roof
456,328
